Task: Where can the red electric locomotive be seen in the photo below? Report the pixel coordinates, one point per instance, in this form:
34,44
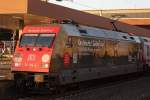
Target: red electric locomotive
64,53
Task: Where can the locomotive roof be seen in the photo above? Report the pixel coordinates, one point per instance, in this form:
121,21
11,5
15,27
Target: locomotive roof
86,31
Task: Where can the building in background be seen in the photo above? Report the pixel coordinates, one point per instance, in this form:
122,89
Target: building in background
138,17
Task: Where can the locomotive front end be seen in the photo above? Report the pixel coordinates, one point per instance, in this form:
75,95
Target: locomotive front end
32,56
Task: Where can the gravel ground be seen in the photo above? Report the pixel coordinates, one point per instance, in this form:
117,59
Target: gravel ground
131,90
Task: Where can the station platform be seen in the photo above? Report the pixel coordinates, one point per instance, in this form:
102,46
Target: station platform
5,72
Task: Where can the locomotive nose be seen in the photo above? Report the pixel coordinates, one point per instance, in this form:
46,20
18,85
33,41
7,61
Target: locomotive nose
33,59
39,57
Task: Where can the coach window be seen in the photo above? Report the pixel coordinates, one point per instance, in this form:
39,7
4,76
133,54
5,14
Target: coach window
132,38
125,37
82,31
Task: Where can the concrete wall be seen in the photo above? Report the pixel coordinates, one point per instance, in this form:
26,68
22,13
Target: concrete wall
13,6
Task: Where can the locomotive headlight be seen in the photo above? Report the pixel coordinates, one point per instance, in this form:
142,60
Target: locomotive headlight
45,58
17,64
17,58
45,65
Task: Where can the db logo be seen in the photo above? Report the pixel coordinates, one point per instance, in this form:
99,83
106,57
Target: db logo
31,57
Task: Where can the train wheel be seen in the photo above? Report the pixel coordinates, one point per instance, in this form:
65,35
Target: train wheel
146,68
20,86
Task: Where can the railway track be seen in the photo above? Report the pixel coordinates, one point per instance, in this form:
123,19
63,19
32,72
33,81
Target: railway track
84,88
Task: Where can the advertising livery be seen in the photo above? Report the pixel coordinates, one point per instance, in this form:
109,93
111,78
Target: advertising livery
64,53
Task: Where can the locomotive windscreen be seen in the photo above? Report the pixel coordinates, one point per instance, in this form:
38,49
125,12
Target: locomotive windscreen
37,40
